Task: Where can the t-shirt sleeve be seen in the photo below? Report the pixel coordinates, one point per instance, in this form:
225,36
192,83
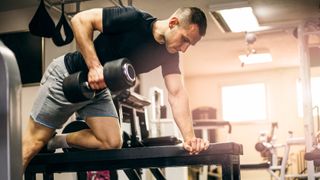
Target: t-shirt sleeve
119,19
171,66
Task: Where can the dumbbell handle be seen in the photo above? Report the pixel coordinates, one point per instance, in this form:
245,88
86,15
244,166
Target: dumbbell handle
86,84
88,88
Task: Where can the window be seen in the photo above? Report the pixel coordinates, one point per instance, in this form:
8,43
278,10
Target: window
315,92
244,102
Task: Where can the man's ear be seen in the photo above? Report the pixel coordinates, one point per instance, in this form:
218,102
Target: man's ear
173,22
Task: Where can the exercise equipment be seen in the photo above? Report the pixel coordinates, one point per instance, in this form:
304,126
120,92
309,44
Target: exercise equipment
119,75
314,155
41,23
224,154
58,38
131,109
10,116
264,145
268,148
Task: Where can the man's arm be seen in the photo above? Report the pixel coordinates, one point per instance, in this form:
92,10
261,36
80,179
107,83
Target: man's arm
83,25
179,103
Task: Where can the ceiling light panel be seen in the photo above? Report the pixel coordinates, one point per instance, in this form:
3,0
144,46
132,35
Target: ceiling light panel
234,17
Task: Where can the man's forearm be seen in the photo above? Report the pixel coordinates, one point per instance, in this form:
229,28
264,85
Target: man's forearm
181,113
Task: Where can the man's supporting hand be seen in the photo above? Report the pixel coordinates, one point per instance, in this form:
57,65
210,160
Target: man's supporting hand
195,145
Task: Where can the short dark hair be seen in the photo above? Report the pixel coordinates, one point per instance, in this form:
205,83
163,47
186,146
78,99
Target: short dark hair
198,17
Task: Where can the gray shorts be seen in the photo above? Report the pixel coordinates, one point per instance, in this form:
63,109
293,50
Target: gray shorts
52,109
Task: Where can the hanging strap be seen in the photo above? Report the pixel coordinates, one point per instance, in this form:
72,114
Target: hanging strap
57,36
41,23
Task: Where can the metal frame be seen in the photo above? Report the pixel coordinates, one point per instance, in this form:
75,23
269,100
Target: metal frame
10,115
306,28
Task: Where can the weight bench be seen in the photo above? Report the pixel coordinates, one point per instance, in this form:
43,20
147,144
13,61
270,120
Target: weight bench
224,154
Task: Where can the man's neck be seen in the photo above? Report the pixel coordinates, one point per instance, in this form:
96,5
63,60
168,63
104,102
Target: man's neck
158,30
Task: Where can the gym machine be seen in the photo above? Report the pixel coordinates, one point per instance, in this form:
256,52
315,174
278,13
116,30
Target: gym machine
10,134
275,165
304,31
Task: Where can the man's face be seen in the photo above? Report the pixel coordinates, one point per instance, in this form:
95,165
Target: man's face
179,37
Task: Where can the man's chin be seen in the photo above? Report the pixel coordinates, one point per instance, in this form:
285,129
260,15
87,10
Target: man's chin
172,50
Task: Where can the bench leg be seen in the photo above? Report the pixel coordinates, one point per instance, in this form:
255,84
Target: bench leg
236,171
82,175
29,176
231,169
48,176
227,171
157,174
132,174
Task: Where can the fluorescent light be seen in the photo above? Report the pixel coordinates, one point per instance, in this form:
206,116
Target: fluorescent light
240,19
234,17
255,58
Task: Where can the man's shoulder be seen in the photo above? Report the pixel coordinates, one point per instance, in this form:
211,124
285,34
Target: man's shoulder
130,11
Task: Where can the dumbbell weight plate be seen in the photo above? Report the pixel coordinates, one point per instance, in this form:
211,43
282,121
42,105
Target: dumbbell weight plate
76,88
129,73
119,74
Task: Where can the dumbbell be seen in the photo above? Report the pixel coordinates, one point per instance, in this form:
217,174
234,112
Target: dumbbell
263,149
118,75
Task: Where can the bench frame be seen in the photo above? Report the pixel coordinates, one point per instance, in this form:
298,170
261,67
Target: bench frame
224,154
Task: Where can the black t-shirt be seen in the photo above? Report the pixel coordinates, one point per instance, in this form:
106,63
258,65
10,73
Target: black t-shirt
127,32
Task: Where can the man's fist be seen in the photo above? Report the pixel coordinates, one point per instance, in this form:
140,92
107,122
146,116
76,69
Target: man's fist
195,145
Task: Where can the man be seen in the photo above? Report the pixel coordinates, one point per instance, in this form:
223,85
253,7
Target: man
125,32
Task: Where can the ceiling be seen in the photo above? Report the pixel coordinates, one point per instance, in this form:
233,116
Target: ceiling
218,52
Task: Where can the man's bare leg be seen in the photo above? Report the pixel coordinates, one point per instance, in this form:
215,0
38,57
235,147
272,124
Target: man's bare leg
104,133
34,138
